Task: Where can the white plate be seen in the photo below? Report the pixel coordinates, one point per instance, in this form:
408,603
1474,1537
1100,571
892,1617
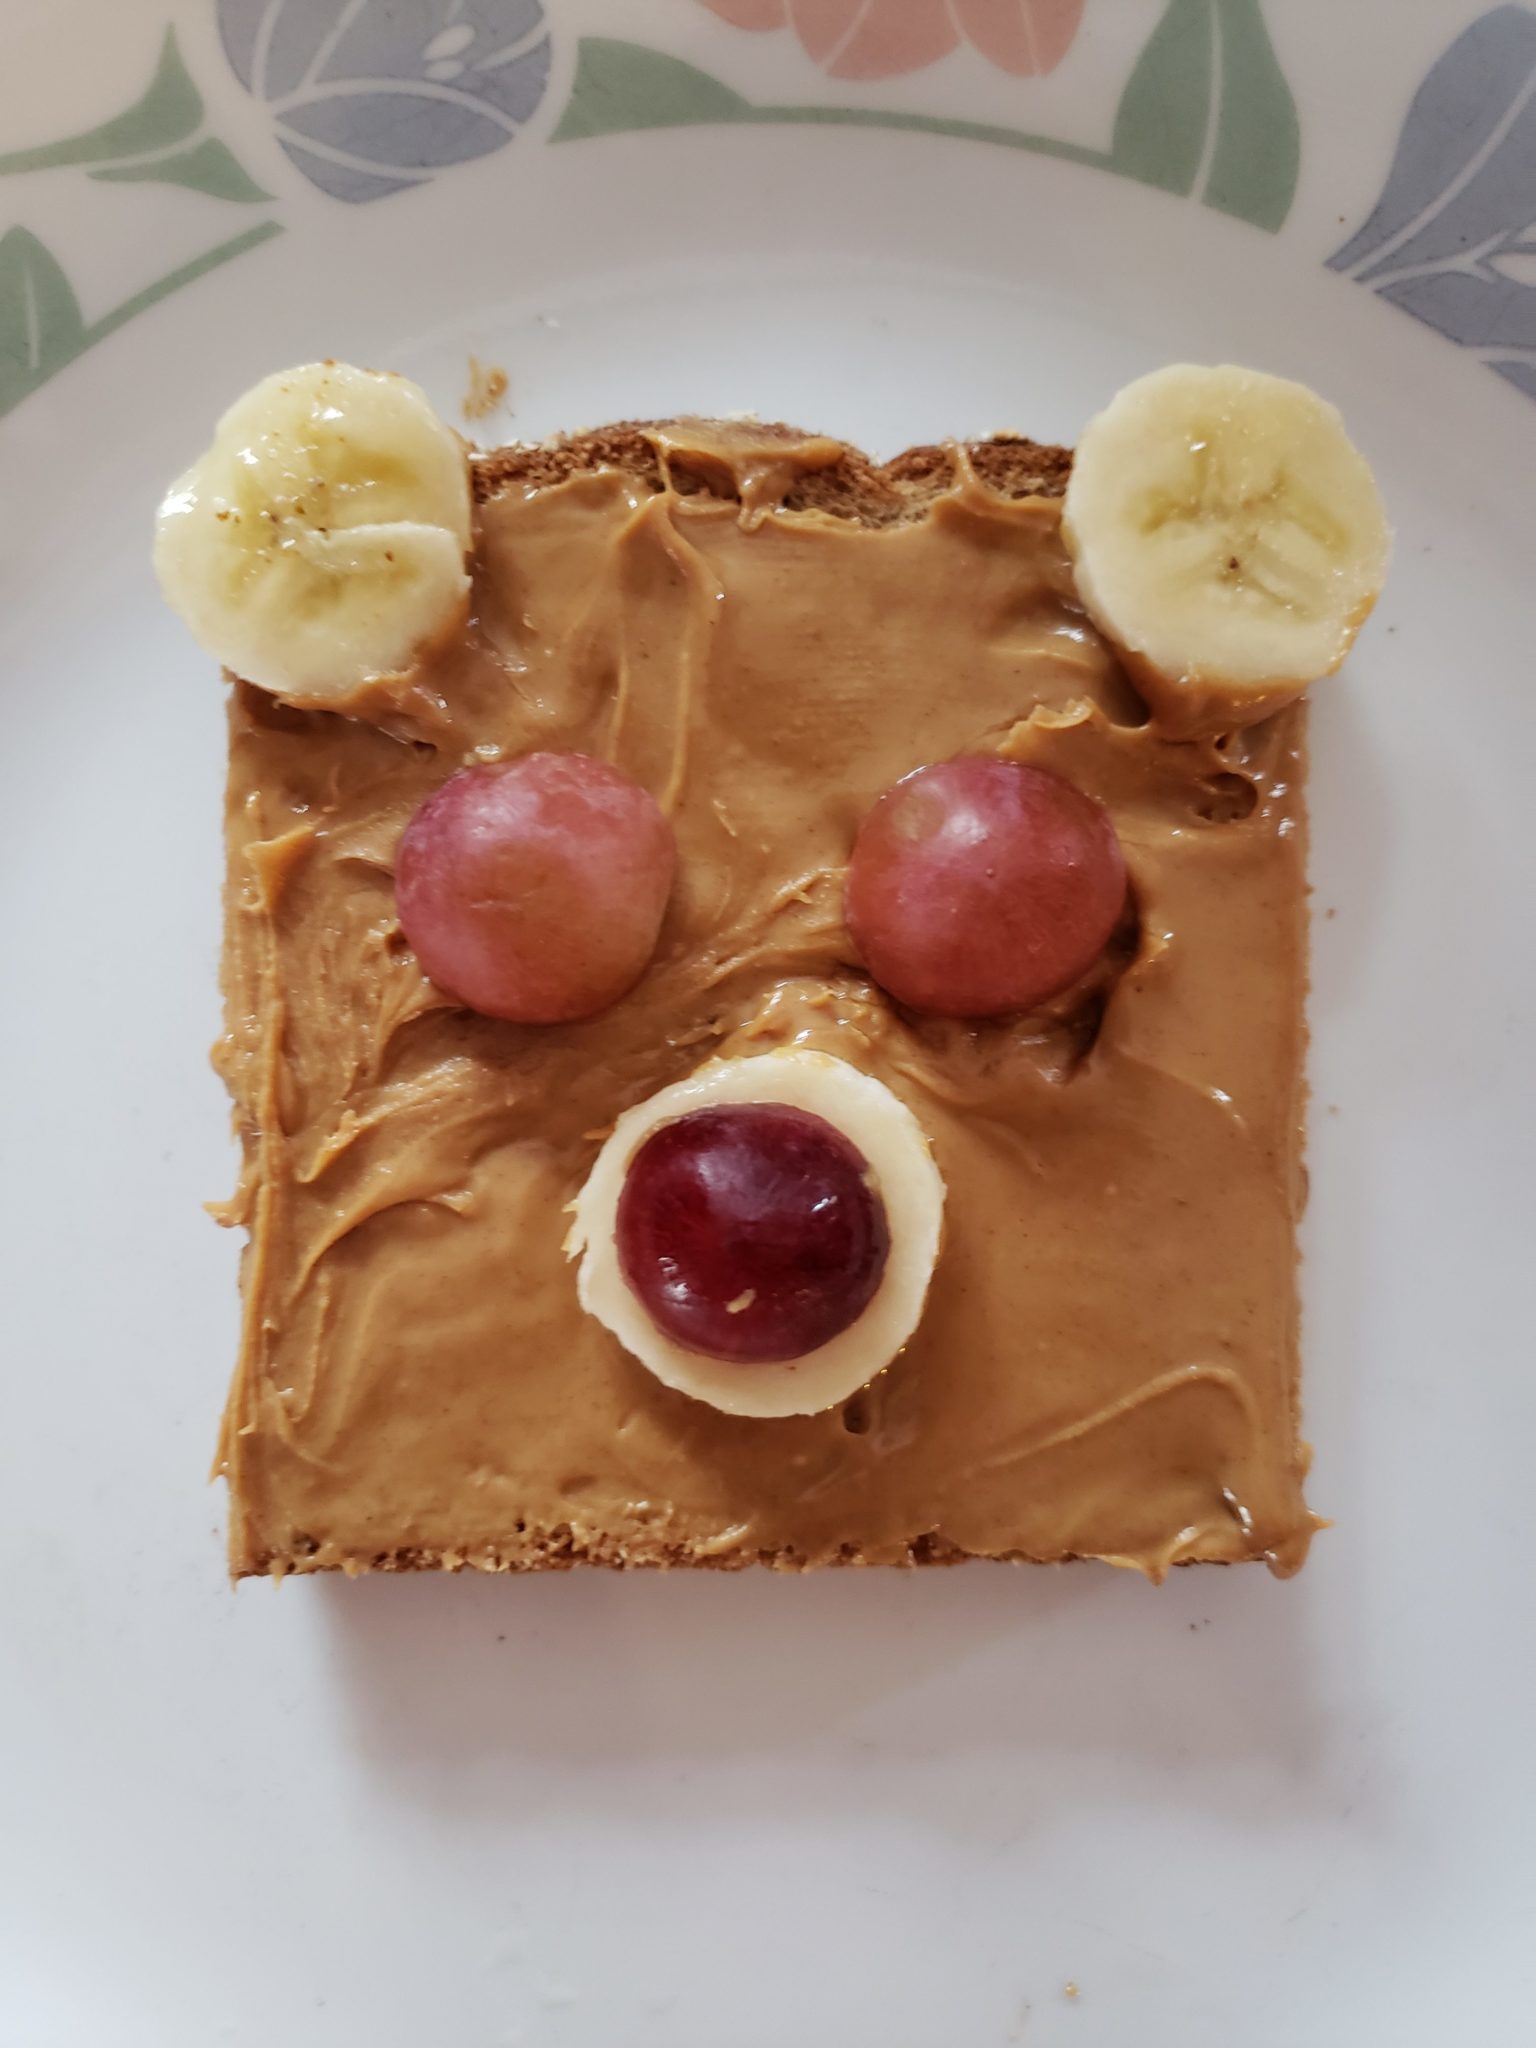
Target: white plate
693,1812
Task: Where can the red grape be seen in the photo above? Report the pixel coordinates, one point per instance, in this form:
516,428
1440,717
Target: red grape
751,1232
979,886
535,890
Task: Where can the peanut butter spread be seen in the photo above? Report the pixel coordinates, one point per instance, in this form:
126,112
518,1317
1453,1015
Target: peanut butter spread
1107,1363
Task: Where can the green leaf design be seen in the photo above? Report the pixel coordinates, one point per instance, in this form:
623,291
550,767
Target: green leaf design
207,166
1207,110
620,87
40,325
1258,136
1165,109
184,274
168,112
157,131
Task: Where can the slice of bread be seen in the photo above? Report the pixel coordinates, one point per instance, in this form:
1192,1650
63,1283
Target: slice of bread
1107,1365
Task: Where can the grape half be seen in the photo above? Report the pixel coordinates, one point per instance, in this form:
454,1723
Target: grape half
535,890
751,1232
979,886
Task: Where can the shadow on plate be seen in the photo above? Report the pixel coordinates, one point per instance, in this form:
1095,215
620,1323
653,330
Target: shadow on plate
984,1699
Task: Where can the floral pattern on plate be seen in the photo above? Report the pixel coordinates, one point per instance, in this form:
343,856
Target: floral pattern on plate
1452,239
883,38
369,100
1206,111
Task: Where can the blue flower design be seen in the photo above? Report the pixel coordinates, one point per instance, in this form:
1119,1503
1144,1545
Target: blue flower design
1452,239
370,97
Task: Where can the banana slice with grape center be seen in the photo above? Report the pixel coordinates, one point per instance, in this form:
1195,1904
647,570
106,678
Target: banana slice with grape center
882,1130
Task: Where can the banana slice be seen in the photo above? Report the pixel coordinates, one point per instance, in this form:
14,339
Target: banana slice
321,540
891,1140
1228,537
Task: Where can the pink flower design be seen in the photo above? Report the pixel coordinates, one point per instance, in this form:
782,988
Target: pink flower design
883,38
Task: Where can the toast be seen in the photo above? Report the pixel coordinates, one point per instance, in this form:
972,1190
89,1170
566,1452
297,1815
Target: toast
779,628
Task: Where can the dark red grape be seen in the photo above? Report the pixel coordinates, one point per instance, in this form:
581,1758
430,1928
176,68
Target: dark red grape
751,1232
979,886
535,890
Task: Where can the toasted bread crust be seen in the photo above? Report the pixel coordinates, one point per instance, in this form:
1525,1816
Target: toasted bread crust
852,487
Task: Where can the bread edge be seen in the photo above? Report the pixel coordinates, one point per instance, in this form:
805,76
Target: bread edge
854,488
